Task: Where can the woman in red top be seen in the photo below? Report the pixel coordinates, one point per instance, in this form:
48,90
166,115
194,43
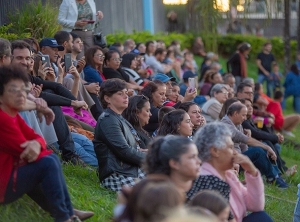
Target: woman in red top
26,166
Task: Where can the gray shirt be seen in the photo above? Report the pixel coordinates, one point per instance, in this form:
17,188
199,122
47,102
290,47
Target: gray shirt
238,136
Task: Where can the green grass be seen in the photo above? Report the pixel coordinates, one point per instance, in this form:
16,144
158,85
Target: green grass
86,193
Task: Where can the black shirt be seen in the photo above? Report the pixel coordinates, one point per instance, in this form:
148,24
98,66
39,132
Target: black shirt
266,61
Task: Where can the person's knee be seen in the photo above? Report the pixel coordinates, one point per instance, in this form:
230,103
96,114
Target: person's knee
50,162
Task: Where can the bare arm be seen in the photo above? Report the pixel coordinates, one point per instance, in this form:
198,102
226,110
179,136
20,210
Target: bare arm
258,63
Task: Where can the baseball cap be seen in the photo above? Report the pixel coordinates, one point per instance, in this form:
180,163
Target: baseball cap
51,42
163,77
188,74
136,51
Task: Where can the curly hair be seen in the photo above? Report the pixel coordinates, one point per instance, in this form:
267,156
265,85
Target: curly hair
163,149
110,87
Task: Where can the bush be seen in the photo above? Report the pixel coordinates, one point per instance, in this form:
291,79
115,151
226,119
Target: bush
5,34
226,45
36,18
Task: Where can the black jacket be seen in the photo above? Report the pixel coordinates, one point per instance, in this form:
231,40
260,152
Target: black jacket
259,134
234,65
115,146
61,96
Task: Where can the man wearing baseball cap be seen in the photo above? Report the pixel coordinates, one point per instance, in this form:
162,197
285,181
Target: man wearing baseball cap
50,47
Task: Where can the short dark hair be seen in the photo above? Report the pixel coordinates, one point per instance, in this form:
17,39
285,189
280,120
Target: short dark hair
163,111
170,122
278,94
227,76
110,87
11,72
241,87
235,107
62,36
75,36
19,44
32,41
267,43
159,51
163,149
135,105
148,43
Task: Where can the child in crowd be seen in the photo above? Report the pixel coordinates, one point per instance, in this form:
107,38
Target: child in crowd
212,201
276,77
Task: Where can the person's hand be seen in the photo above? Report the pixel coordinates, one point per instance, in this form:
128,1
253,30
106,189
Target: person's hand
99,15
130,92
74,72
271,153
61,70
93,88
280,137
202,121
81,64
236,169
81,23
143,150
40,104
78,105
247,132
32,150
36,90
47,113
245,163
267,73
42,71
50,74
189,95
270,121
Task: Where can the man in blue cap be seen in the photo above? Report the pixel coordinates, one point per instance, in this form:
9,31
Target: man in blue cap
184,86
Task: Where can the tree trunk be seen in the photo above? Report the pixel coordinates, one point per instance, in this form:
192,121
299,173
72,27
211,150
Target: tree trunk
287,46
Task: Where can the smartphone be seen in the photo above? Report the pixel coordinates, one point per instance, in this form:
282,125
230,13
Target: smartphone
90,21
46,59
192,84
68,61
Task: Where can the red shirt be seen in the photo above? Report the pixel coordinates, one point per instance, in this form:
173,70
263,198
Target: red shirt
275,108
13,132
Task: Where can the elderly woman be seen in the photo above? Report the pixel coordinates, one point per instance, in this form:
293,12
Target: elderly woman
26,166
212,108
176,122
138,115
156,92
116,142
219,157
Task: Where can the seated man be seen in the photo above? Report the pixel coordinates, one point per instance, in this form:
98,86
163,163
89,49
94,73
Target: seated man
155,62
24,158
236,114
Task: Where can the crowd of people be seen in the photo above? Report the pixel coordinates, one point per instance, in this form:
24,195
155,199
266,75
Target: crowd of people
158,128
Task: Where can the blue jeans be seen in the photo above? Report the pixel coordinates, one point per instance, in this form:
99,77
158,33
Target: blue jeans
85,149
261,79
43,181
258,216
259,158
296,104
297,207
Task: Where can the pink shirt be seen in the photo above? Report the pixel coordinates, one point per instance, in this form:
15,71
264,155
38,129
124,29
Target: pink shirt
242,198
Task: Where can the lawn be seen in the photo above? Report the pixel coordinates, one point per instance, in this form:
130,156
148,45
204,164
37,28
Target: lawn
87,194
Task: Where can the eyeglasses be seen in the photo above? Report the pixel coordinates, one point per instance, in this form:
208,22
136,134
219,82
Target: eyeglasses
117,59
17,91
100,56
140,59
225,93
